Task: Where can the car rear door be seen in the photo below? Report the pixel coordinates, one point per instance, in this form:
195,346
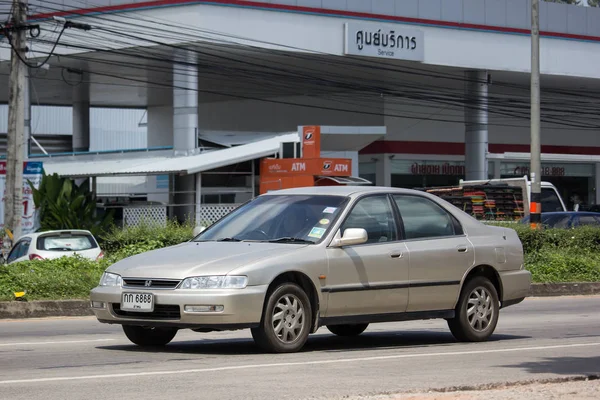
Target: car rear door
370,278
439,252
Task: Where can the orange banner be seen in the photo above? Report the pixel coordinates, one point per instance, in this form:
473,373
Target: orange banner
315,166
311,142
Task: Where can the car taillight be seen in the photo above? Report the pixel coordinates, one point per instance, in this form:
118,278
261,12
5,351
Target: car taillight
35,257
100,256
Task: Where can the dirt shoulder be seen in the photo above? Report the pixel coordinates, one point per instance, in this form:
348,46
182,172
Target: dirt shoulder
580,390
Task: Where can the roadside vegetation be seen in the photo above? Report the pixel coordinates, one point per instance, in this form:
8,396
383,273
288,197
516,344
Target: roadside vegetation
552,255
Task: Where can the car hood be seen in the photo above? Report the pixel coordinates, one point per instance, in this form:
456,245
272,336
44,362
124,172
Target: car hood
198,258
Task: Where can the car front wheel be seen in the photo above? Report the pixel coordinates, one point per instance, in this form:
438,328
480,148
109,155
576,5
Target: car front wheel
149,337
286,320
477,311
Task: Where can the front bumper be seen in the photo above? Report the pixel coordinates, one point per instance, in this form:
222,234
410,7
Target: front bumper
516,285
242,308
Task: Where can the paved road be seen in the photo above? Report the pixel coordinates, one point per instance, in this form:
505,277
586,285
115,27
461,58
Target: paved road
78,358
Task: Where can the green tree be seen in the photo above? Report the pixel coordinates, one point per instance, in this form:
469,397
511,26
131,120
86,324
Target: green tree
64,205
593,3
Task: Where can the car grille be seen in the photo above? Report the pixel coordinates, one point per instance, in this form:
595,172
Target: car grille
161,311
141,283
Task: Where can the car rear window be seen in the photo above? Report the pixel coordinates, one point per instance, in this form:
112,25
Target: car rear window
66,242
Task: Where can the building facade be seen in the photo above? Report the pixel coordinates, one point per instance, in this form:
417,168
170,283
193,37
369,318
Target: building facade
448,80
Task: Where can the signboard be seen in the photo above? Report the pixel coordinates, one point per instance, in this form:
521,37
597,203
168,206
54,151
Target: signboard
32,171
311,141
383,41
437,169
547,169
300,166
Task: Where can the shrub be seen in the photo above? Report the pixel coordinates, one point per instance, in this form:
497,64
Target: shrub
563,265
63,278
145,237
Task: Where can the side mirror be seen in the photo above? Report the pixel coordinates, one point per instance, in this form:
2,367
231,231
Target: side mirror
352,236
198,230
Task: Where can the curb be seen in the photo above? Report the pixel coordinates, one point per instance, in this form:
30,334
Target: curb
81,308
40,309
564,289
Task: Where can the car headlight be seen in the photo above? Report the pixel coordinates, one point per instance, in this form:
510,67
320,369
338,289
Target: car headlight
109,279
215,282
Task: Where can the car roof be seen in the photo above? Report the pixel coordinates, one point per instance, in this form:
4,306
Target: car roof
341,190
37,234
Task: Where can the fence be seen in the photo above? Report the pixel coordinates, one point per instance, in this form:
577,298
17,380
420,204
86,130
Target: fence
157,214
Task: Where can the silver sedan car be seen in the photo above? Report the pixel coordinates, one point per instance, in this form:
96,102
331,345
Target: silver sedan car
291,261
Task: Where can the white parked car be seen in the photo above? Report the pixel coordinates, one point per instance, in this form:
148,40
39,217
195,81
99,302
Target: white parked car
55,244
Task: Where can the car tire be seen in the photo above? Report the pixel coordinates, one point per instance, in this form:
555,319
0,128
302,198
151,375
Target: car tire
477,311
347,330
286,321
149,337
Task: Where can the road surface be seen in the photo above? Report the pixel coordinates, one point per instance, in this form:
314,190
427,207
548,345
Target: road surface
79,358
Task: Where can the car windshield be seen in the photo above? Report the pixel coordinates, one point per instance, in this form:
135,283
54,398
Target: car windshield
65,242
278,219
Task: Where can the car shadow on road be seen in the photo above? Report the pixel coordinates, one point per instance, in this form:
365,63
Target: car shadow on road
587,366
316,343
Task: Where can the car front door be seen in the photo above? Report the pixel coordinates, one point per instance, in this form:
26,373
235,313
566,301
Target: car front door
370,278
440,253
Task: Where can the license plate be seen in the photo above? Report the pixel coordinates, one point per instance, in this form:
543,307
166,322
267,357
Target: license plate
141,302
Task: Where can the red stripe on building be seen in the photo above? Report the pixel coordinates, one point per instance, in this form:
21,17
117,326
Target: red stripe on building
311,10
458,149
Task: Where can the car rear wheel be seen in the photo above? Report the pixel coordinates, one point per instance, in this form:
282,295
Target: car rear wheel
347,330
286,320
477,311
149,337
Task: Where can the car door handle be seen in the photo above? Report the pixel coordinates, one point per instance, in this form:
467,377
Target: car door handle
396,254
461,249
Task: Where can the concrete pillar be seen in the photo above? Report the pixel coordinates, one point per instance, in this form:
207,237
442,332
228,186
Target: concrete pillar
497,169
185,128
198,199
27,117
81,114
476,125
184,199
185,104
383,167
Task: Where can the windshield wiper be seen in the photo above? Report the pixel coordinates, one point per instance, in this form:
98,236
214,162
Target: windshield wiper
290,240
229,239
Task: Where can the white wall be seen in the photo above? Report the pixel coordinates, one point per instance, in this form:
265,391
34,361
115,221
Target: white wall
251,115
160,126
116,129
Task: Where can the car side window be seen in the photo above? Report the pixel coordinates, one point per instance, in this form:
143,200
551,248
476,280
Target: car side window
587,220
550,201
423,218
14,253
373,214
24,247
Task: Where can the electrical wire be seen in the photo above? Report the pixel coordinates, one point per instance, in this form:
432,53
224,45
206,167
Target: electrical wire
287,78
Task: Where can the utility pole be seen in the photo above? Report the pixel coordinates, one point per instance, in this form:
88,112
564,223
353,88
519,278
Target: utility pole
13,207
535,209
